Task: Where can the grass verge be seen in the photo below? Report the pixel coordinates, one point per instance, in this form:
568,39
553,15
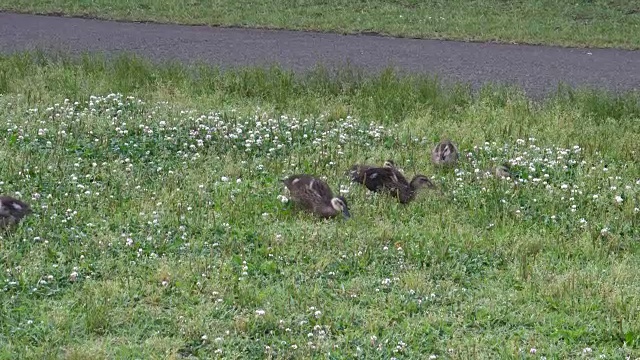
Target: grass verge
598,23
159,231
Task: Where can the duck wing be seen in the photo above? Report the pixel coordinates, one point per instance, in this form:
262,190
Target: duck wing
385,179
308,190
10,207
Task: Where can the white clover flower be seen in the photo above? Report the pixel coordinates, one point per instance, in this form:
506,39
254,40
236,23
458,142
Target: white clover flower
224,179
619,199
260,312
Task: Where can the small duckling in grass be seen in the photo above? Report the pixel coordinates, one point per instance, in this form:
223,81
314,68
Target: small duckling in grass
314,195
390,180
445,153
502,171
12,211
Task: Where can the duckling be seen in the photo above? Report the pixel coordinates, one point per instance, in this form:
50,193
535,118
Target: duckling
12,211
502,171
356,172
390,180
314,195
445,153
498,171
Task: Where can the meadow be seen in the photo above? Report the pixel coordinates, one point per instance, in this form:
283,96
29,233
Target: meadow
161,231
588,23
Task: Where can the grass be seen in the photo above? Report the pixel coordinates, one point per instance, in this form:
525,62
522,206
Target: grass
159,230
594,23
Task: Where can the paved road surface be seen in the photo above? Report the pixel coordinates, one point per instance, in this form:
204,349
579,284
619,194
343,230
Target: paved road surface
538,69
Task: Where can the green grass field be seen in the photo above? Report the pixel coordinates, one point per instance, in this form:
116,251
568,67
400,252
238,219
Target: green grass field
593,23
159,230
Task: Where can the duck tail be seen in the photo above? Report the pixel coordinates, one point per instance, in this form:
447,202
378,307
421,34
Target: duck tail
356,173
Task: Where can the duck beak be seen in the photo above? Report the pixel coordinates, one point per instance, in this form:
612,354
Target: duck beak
346,213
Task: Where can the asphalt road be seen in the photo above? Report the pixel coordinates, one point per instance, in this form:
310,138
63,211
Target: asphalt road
537,69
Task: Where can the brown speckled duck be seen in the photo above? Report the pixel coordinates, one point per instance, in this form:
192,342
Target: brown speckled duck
314,195
389,179
445,153
12,211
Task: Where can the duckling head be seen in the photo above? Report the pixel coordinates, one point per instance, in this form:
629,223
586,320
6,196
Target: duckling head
340,204
421,181
389,164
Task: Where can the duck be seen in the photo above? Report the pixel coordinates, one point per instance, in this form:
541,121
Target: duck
315,195
12,211
445,153
389,179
